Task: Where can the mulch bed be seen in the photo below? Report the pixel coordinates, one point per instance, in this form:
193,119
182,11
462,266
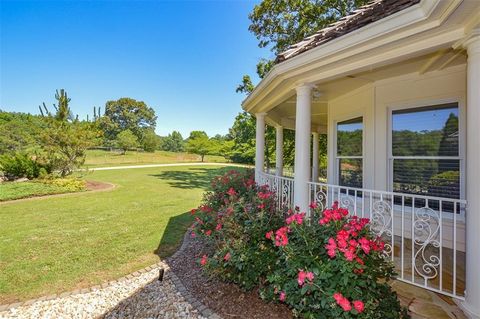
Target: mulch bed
227,300
96,186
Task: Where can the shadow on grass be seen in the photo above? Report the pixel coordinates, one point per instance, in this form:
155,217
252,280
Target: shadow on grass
173,235
195,177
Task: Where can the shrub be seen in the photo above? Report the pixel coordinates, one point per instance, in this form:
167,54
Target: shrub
68,184
330,265
20,165
234,218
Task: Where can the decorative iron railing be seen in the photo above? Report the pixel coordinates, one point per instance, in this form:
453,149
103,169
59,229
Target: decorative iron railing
282,186
424,236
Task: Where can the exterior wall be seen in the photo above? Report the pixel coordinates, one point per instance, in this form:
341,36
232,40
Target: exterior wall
375,101
357,103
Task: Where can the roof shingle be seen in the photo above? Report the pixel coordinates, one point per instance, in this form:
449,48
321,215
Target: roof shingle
374,11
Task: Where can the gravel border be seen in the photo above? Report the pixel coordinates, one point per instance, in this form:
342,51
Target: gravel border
138,278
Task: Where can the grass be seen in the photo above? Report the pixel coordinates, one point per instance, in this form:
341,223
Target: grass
14,190
58,244
97,158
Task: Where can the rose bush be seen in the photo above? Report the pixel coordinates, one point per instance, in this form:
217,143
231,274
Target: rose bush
234,218
330,265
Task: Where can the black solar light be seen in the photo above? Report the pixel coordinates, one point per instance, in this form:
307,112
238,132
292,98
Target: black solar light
160,274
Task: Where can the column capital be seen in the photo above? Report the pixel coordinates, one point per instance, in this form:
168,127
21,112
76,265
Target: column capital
260,115
304,88
472,42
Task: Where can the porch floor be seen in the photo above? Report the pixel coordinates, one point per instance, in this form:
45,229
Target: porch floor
423,304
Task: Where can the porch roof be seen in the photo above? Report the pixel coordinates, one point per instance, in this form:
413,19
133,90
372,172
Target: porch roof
428,30
359,18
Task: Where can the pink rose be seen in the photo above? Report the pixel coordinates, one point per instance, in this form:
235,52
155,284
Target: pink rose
310,276
345,304
283,296
231,192
359,306
281,238
204,260
301,277
227,257
337,296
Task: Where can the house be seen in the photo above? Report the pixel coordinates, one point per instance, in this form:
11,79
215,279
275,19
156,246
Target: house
395,86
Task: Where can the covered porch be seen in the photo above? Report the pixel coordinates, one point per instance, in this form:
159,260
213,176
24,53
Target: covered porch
401,117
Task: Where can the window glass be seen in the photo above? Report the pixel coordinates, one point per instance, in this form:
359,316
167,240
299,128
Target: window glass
351,172
349,137
426,131
350,152
425,151
440,178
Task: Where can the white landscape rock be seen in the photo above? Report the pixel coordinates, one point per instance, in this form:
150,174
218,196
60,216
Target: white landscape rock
141,296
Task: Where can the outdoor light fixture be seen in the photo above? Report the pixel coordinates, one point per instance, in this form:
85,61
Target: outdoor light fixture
160,274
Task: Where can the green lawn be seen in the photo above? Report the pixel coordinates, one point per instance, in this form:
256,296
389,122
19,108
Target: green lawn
57,244
97,158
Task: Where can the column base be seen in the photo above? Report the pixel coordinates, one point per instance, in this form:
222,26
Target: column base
467,309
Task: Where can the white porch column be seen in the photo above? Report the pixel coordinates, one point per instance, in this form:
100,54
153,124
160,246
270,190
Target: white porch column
279,150
471,305
302,147
260,144
315,157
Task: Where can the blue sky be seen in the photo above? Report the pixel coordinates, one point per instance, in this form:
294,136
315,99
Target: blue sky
183,58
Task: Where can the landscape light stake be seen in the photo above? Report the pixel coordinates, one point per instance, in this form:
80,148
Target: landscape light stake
160,274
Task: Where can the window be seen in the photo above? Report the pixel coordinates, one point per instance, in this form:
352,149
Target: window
425,151
350,152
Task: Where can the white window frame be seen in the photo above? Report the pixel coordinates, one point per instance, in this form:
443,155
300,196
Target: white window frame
337,158
461,138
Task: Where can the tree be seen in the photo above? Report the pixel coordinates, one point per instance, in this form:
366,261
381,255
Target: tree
65,139
62,109
128,114
150,141
65,144
243,136
126,140
277,24
200,145
197,134
173,142
20,132
280,23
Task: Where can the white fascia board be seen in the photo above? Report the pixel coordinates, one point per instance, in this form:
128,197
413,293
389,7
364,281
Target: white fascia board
376,30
